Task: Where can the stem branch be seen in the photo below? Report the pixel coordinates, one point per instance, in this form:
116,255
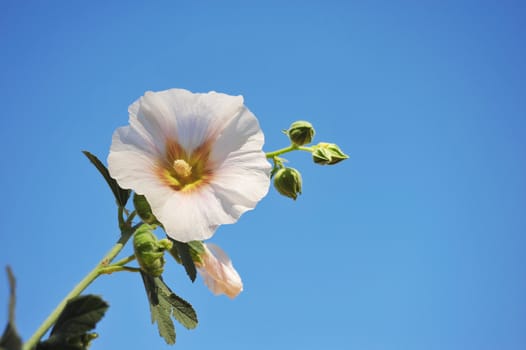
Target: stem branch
287,149
123,261
79,288
116,268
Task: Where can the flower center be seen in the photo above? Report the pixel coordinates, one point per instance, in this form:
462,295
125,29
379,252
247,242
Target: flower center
185,171
182,168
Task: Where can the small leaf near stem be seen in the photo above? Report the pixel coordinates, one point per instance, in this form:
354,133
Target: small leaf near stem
182,254
165,304
80,315
71,330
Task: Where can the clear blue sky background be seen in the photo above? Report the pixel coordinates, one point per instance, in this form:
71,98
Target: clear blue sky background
416,242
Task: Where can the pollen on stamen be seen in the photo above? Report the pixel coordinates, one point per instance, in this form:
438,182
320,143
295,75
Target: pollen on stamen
182,168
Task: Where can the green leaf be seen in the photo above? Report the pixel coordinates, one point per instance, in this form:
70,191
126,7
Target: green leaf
10,339
81,342
161,315
121,195
80,316
151,288
165,304
181,309
182,251
160,310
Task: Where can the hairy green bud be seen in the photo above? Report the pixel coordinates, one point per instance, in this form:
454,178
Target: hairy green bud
288,182
144,210
300,133
149,251
327,154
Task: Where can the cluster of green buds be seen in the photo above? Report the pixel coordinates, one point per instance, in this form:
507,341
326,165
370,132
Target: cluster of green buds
288,180
149,250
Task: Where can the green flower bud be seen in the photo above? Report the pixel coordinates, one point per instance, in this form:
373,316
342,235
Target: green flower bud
300,133
197,249
149,251
288,182
327,154
144,210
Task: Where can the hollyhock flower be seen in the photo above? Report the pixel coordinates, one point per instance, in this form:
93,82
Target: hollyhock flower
218,272
197,158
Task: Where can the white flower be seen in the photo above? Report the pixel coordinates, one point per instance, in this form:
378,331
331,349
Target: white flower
218,272
197,158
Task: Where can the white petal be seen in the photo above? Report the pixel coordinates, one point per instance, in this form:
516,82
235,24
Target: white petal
131,160
153,118
242,180
218,272
189,216
242,177
189,118
240,189
241,133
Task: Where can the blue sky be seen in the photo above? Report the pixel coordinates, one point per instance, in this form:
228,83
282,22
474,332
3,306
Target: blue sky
416,242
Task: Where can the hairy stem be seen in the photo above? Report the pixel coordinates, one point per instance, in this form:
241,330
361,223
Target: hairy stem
116,268
123,261
288,149
127,232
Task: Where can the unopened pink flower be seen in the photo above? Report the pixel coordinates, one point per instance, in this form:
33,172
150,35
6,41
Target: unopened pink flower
197,158
218,272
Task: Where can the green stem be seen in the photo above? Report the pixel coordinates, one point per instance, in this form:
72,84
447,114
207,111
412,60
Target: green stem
79,288
116,268
124,261
290,148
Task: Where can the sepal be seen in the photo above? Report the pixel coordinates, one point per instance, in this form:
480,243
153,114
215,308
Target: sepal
288,182
327,154
300,133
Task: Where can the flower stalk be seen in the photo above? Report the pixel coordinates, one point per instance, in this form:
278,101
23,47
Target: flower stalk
100,269
292,147
115,268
